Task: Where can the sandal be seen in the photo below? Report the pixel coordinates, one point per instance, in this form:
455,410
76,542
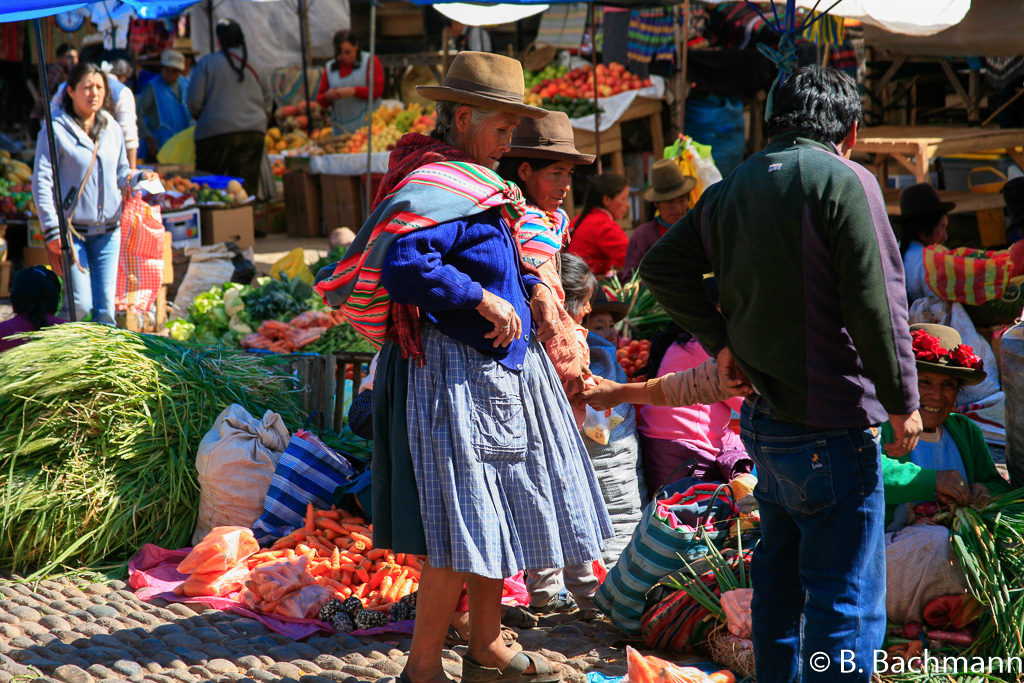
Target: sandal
452,639
545,672
519,617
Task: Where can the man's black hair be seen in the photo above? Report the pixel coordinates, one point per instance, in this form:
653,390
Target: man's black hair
821,101
63,49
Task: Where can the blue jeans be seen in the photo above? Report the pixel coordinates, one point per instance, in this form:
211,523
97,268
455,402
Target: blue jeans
819,571
96,289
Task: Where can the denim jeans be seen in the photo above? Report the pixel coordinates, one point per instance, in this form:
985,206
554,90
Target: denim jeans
819,571
96,289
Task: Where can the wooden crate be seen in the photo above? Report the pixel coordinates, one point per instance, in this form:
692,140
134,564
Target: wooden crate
342,202
322,381
302,204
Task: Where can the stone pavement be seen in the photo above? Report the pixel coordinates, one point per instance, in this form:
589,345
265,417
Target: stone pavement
67,631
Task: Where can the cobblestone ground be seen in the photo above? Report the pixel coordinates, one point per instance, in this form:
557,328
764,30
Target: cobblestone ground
72,632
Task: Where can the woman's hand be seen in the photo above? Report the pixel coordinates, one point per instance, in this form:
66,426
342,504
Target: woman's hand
340,93
604,396
56,258
950,487
507,324
980,495
544,308
150,175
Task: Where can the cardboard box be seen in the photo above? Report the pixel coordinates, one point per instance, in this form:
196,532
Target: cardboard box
35,233
184,227
302,204
342,202
34,256
228,225
168,277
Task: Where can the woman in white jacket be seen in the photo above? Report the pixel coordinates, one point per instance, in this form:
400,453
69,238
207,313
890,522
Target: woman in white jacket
94,171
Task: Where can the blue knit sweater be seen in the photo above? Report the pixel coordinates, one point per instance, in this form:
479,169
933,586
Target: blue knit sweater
444,269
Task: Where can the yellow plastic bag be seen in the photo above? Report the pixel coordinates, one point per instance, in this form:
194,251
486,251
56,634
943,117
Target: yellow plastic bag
293,265
180,149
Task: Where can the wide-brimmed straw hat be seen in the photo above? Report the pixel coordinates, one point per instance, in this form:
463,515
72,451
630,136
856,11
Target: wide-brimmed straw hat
484,80
922,198
938,348
184,46
548,138
668,182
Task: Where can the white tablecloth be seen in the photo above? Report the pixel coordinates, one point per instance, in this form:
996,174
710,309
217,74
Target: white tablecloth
349,164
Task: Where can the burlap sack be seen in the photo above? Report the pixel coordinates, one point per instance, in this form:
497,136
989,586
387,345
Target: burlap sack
236,461
919,565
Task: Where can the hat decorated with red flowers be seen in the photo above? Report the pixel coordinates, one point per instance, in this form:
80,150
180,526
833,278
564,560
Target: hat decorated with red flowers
940,349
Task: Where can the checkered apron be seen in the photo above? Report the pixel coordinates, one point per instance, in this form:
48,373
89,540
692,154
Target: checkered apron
504,480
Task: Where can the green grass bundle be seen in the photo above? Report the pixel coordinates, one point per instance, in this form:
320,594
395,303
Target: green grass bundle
99,429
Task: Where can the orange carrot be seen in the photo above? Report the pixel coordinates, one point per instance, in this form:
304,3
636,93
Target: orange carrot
329,514
358,537
375,554
310,518
343,542
327,523
377,578
407,588
413,561
358,528
385,585
336,564
346,578
363,575
399,558
358,546
353,520
361,591
330,535
396,586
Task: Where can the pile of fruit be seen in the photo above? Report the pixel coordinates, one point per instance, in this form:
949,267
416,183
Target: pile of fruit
389,124
15,186
298,116
548,73
574,108
579,83
633,355
276,142
179,184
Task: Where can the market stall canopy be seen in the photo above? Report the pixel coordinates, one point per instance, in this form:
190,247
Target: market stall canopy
908,17
20,10
991,28
271,29
488,15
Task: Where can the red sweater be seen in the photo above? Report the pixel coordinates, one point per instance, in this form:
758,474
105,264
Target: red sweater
599,241
362,91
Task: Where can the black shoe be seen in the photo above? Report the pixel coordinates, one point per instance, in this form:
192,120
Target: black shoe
557,606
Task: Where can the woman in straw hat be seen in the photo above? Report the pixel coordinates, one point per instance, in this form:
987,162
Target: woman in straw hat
950,465
477,463
670,194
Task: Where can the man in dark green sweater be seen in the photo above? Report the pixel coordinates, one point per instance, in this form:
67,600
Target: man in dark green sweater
814,317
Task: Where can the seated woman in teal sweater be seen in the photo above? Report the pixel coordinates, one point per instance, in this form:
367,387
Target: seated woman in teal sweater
950,465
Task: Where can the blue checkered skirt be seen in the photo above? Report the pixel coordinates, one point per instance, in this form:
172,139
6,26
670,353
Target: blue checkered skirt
504,479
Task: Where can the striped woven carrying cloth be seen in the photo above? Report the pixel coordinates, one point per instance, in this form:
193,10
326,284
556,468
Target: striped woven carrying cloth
543,234
439,193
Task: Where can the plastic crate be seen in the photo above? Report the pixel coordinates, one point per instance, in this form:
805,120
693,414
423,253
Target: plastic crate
957,172
216,182
184,226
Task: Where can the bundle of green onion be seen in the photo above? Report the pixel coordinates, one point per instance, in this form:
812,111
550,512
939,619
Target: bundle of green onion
645,317
99,429
990,546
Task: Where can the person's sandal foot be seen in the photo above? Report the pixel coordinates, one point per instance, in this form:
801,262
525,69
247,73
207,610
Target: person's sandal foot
514,671
519,617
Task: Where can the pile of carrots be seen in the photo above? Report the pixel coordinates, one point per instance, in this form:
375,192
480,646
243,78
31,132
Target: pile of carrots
302,330
342,559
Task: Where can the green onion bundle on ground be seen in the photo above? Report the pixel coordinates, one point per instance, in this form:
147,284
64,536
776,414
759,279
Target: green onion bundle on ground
99,429
990,546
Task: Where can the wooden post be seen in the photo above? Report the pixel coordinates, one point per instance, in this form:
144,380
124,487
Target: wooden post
683,45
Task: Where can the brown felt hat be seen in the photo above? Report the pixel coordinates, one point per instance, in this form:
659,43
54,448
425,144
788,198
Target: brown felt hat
922,198
949,339
602,303
548,138
484,80
668,182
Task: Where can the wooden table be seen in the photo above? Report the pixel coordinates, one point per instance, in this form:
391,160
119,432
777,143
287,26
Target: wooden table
914,147
611,140
966,202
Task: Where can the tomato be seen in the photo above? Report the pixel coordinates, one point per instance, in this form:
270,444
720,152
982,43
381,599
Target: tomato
622,353
624,342
643,357
634,346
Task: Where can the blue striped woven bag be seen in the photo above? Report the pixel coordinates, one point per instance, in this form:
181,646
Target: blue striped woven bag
308,471
657,550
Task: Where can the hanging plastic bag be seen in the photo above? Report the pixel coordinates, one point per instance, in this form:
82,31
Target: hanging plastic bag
140,271
292,264
222,549
598,425
179,149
